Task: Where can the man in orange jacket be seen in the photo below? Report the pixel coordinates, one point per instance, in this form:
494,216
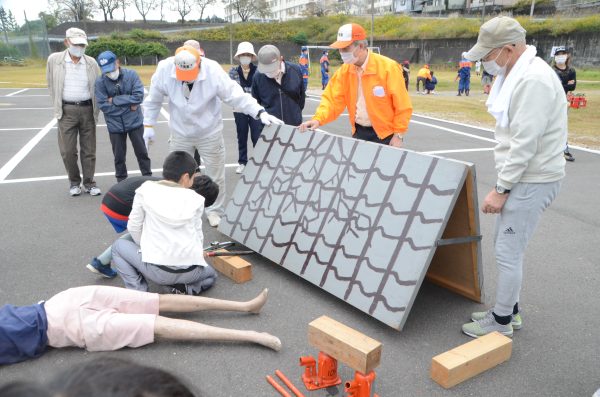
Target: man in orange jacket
371,86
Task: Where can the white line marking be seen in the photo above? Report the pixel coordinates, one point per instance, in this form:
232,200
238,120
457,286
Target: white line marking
98,174
38,128
455,122
17,92
17,158
25,108
481,138
487,149
27,96
22,129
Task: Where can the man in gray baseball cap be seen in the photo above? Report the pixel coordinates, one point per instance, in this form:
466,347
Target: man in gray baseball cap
530,108
278,86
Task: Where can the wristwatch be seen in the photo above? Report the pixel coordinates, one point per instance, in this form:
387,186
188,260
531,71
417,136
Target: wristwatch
261,111
399,136
501,190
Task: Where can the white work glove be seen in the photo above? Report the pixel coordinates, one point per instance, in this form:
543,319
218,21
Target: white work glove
267,119
148,135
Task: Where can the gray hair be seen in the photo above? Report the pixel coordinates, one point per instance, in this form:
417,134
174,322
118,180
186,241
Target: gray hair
365,43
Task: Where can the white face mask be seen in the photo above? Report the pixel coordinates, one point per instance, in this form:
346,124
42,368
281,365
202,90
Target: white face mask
76,51
348,57
273,75
561,59
245,60
113,75
493,68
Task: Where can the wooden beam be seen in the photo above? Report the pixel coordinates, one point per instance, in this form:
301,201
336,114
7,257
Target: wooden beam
465,361
345,344
233,267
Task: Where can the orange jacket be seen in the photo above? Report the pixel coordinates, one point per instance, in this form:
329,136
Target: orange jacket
388,104
424,72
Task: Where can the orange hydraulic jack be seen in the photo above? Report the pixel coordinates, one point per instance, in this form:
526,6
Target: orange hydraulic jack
325,376
361,385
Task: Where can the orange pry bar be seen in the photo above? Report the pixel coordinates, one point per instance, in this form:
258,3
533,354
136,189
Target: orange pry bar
277,387
288,383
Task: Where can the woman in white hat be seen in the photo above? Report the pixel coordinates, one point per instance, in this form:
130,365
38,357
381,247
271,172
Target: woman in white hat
243,75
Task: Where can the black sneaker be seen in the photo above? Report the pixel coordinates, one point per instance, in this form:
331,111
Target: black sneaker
569,156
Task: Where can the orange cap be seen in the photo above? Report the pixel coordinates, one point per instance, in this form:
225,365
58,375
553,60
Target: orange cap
347,34
187,63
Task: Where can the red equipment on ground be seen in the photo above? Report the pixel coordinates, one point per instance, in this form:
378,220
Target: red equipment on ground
325,375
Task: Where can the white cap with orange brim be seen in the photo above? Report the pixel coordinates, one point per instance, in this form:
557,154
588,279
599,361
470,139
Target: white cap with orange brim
347,34
187,63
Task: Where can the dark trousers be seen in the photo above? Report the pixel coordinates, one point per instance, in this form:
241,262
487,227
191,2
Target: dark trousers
119,147
243,123
78,122
369,134
419,81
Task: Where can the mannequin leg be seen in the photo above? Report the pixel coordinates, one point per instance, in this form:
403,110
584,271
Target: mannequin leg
189,303
174,329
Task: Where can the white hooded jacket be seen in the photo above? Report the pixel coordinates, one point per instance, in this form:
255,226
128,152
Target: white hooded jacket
166,222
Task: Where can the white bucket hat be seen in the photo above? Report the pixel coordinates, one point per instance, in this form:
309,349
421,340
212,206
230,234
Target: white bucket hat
245,48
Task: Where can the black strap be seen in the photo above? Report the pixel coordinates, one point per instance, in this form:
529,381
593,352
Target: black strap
173,270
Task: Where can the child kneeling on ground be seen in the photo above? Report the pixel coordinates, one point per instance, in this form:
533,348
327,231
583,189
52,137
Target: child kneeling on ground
165,224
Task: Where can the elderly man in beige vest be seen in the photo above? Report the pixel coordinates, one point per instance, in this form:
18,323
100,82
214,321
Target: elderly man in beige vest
71,77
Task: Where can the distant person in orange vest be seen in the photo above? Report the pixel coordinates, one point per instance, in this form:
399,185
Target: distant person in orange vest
370,86
464,74
304,66
324,61
422,76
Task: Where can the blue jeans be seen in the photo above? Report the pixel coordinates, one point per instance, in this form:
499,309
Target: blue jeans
244,122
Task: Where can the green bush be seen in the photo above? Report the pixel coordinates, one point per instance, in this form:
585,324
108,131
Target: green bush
300,38
140,34
9,51
126,48
324,29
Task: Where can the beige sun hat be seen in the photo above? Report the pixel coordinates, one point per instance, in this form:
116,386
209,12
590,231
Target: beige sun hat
245,48
496,33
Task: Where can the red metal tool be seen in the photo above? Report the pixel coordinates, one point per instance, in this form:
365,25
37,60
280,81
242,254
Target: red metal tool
361,386
288,383
278,387
325,375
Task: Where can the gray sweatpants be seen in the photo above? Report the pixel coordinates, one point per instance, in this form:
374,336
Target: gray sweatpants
514,227
134,272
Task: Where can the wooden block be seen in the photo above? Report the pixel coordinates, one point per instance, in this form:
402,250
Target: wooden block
465,361
234,267
345,344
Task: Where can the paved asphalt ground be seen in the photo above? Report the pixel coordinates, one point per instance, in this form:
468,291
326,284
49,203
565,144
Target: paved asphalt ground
47,238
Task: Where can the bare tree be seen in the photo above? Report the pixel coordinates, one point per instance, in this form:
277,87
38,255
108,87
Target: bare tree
108,7
202,4
246,9
318,8
123,4
161,8
77,10
183,7
144,7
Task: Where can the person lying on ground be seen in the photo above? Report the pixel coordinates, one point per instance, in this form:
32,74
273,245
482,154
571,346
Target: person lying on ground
102,318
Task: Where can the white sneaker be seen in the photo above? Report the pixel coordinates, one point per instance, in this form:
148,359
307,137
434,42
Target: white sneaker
75,191
240,168
213,219
94,191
